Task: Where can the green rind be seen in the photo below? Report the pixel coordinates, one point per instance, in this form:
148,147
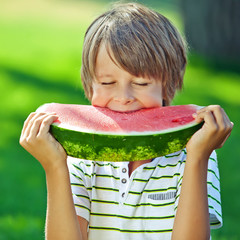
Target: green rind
117,148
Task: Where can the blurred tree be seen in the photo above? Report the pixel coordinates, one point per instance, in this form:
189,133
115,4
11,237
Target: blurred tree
212,29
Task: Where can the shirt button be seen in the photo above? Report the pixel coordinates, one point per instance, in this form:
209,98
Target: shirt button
124,170
124,180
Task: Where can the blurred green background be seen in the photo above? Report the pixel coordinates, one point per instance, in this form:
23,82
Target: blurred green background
40,59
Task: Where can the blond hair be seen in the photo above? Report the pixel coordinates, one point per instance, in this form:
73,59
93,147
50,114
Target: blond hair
142,42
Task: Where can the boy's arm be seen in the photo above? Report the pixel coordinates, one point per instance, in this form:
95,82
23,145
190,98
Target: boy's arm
61,222
192,217
83,223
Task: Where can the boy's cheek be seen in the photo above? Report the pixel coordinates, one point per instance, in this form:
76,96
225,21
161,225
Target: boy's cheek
99,98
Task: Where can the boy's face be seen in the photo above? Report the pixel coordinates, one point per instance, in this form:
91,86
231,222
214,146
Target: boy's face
118,90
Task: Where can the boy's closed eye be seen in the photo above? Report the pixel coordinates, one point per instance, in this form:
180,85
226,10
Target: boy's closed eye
107,83
135,83
141,84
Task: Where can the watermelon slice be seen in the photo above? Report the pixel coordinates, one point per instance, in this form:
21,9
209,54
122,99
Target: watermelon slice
100,134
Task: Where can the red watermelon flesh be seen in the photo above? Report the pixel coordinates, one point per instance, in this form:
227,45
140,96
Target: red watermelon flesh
88,118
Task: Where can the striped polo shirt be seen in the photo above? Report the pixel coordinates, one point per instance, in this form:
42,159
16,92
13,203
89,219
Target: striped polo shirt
142,206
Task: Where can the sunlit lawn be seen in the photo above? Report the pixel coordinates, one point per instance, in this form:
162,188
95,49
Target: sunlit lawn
40,58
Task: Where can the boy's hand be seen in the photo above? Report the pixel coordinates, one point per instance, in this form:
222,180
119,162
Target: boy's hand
215,131
37,140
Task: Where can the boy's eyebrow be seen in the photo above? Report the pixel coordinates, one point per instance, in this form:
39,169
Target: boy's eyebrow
104,75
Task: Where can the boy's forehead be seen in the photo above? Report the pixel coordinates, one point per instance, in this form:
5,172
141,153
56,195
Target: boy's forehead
104,59
108,67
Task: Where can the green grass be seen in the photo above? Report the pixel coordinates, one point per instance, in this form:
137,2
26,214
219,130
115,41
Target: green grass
40,59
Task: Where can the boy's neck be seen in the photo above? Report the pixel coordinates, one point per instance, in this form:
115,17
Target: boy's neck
134,165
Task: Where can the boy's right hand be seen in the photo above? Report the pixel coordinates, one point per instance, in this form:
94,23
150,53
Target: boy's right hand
37,140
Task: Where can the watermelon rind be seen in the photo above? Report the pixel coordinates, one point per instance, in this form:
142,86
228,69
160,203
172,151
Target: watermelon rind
118,148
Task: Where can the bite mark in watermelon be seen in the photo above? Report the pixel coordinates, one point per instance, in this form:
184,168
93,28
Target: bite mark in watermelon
100,134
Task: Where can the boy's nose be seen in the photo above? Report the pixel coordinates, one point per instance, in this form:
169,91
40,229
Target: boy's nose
124,96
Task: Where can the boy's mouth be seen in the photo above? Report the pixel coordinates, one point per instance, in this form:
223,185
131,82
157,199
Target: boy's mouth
125,111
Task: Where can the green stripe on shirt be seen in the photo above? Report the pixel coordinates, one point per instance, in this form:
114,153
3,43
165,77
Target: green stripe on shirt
129,230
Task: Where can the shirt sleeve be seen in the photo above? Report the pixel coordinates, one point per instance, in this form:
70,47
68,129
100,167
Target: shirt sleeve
214,196
79,184
213,188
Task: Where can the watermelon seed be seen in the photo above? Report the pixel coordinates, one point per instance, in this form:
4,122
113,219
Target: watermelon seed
183,120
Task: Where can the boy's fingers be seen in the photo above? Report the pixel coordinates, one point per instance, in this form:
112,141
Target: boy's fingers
218,121
45,124
219,114
206,116
28,125
210,108
26,122
38,121
32,125
222,119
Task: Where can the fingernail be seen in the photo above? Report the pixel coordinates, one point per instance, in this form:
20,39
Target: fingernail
194,115
57,121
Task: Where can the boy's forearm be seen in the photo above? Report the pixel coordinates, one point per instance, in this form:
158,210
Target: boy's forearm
192,217
61,220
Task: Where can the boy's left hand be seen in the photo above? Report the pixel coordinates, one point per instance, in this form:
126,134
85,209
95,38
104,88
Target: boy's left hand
215,131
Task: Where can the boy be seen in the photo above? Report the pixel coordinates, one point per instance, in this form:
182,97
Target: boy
133,58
